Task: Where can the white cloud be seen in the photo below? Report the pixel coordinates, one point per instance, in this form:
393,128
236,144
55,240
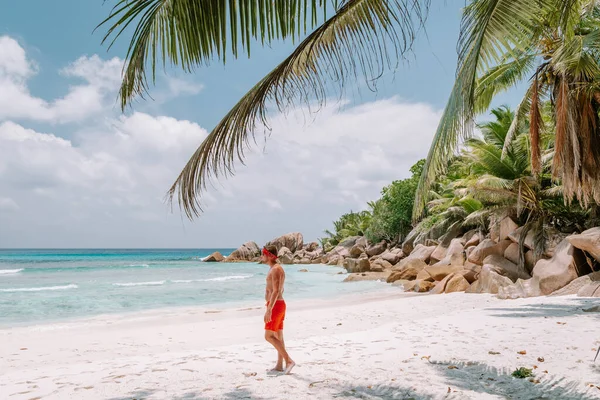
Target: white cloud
106,184
178,86
8,204
106,187
344,156
96,94
13,60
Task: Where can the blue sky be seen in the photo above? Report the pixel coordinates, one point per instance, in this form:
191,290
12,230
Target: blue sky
120,204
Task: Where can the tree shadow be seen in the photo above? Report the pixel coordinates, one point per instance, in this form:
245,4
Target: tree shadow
574,307
375,391
236,394
483,378
467,380
383,392
137,395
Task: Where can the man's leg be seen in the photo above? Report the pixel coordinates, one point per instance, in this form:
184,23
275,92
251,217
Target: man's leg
272,337
279,365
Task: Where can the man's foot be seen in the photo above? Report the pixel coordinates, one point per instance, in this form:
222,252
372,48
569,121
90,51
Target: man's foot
289,366
275,371
278,368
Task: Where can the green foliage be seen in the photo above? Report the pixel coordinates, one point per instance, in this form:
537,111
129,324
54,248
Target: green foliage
522,373
490,179
392,213
551,48
350,224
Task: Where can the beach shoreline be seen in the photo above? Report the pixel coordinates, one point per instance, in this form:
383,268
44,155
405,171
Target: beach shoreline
374,345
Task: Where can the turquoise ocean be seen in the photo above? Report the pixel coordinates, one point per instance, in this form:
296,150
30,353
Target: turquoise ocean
42,286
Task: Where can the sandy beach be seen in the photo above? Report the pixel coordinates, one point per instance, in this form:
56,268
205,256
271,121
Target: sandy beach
376,346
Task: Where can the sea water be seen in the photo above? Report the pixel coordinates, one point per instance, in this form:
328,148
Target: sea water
38,286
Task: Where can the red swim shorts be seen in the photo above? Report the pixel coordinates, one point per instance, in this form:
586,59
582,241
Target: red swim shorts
277,317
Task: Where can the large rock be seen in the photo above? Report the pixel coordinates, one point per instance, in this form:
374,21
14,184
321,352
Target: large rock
521,289
391,257
376,249
349,242
457,283
410,263
422,253
362,241
285,256
567,264
473,240
591,289
408,244
440,286
215,257
356,251
293,241
588,241
335,260
512,253
408,269
418,286
247,252
506,268
451,233
367,276
380,265
471,272
354,265
554,239
506,227
486,248
453,255
439,272
488,282
515,236
313,246
438,254
574,286
530,260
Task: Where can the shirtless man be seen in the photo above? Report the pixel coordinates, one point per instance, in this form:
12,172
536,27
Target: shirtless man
275,313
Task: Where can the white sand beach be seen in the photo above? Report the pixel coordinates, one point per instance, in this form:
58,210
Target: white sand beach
377,346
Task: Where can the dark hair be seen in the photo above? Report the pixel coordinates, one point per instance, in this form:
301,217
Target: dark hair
271,249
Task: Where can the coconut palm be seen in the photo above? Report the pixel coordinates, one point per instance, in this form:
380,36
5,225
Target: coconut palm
497,171
500,42
341,39
554,45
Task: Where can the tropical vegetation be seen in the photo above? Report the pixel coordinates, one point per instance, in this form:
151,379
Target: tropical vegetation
539,164
491,178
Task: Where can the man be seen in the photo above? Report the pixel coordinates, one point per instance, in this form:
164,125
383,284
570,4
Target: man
275,313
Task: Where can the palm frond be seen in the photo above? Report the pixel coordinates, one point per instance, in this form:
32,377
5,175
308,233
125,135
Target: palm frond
535,125
509,72
489,28
361,38
191,33
521,114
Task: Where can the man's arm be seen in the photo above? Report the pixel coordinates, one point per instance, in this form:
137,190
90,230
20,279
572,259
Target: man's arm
275,288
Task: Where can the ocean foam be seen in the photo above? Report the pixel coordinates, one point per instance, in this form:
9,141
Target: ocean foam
127,284
218,279
39,289
10,271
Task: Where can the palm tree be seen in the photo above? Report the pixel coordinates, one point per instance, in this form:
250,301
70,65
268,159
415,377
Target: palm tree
554,44
500,42
496,173
342,39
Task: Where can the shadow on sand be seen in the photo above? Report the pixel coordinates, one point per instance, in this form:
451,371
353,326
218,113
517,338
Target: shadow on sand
575,306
